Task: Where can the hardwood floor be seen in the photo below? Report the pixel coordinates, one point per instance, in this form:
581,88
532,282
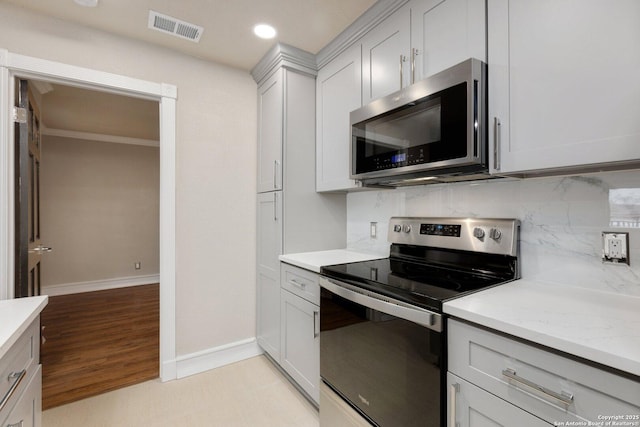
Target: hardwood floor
99,341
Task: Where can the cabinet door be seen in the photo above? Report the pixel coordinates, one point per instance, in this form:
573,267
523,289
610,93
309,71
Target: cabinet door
471,406
301,343
563,83
385,56
268,272
270,123
445,33
338,92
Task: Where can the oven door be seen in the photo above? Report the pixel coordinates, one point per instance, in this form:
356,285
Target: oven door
384,357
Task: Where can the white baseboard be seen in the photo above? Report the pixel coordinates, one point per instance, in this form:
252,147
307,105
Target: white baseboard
205,360
99,285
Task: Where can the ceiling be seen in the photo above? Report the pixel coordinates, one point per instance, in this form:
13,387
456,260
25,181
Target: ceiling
227,38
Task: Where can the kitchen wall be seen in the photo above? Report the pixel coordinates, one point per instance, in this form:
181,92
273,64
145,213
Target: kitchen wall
99,207
562,221
215,167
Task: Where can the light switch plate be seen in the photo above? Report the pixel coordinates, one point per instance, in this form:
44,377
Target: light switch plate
615,247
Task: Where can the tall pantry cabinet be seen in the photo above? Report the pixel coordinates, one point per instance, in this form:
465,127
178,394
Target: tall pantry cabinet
291,216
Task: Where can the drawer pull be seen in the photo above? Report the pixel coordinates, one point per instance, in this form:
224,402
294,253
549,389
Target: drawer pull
18,424
298,284
316,323
563,397
453,391
17,377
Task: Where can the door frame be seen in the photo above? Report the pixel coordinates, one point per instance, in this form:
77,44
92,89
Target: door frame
14,65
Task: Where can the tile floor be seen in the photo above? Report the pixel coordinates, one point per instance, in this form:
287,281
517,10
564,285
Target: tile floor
249,393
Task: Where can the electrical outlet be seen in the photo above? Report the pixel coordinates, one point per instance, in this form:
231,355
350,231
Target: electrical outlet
615,248
138,265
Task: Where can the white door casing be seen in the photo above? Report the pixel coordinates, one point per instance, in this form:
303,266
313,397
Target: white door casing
19,66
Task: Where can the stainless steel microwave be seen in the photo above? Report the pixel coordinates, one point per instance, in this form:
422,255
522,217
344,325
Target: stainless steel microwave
432,131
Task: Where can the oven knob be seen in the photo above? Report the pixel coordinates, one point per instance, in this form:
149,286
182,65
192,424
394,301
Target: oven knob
478,232
397,228
495,233
406,228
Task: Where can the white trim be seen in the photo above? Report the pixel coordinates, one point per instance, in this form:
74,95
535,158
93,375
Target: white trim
6,180
15,65
100,137
216,357
99,285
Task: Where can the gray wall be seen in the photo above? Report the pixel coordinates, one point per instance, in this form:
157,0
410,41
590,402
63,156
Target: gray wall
99,210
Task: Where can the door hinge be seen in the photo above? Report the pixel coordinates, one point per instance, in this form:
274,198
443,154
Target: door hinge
19,115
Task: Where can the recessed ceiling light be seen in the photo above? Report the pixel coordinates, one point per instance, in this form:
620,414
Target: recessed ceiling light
87,3
264,31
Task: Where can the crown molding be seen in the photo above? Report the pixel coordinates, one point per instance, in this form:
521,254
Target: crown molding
284,55
361,26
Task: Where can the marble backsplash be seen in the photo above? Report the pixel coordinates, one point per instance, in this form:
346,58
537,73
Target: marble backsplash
562,219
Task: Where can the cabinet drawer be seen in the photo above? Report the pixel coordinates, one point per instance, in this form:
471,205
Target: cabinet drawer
538,380
18,365
301,282
27,411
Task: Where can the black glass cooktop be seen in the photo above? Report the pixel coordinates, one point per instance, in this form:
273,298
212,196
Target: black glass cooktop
416,283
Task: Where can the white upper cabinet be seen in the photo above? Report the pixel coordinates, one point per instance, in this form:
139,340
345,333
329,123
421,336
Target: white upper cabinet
338,92
564,90
270,113
445,33
385,56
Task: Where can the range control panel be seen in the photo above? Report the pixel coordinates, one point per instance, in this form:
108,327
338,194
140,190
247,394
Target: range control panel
498,236
452,230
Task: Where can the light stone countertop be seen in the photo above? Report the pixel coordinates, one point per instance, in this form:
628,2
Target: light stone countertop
15,316
598,326
312,261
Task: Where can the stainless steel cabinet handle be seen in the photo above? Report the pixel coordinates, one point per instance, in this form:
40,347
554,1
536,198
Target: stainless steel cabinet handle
402,60
496,139
18,424
453,391
316,323
275,174
275,206
17,377
414,53
563,397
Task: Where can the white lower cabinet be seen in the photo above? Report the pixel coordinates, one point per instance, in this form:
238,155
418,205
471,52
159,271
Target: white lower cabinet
268,272
21,381
546,385
471,406
300,328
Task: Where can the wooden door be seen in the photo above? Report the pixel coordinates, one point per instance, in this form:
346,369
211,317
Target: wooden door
28,246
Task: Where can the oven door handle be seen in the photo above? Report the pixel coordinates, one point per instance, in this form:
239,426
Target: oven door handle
384,304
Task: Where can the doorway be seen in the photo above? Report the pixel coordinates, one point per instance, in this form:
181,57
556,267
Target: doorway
98,209
14,66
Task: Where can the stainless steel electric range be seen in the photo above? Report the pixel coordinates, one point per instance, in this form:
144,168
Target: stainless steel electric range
382,331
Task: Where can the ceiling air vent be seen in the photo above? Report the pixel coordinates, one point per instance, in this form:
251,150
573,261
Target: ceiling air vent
170,25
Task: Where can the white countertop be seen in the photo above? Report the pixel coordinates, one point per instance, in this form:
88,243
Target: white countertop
598,326
314,260
15,316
